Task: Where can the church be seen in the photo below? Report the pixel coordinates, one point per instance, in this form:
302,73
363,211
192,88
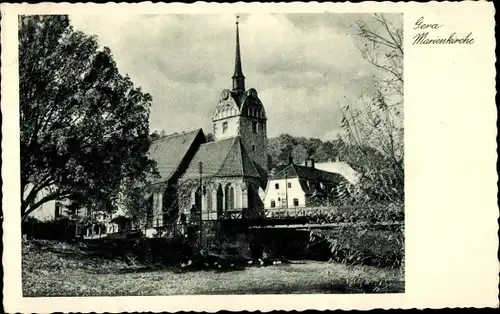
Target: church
212,180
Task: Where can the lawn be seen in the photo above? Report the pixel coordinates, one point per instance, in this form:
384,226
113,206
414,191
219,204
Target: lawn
55,269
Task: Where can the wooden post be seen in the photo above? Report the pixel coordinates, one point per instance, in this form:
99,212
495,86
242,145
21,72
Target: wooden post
200,165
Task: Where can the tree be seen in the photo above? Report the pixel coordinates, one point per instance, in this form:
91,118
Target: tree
378,123
83,126
280,148
299,154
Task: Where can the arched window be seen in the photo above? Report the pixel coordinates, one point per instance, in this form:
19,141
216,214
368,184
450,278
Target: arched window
209,200
229,191
220,196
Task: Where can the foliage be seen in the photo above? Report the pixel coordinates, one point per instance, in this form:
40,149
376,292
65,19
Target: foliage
368,214
284,146
360,240
377,121
136,203
299,154
58,229
84,126
367,245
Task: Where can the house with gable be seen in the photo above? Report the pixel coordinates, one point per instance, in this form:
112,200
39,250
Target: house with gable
294,185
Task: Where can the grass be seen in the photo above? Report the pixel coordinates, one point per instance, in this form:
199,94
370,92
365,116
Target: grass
56,269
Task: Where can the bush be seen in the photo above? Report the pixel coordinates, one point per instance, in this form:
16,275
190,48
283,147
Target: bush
59,229
362,241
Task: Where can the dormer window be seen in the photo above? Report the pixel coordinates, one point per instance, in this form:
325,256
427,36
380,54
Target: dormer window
224,127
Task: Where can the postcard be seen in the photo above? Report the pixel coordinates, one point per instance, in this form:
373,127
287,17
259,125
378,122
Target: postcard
206,157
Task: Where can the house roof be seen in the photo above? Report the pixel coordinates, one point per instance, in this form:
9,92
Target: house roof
311,179
222,158
169,152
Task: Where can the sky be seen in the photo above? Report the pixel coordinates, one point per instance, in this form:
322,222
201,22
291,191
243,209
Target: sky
304,66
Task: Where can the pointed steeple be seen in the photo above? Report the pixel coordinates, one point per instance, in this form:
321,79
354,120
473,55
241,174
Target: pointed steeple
238,77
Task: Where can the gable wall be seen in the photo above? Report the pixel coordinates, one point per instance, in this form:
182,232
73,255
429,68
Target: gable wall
273,194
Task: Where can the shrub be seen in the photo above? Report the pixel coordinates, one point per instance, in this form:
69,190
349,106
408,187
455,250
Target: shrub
58,229
362,240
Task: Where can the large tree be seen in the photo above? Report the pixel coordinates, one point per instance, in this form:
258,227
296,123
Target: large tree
83,126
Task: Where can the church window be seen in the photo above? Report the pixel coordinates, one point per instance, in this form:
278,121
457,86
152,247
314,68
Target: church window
255,128
277,186
224,127
273,204
253,148
295,202
209,201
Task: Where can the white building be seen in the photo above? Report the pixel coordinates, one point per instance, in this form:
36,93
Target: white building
299,186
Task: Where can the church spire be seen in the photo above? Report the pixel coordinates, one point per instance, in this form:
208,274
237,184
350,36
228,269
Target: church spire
238,77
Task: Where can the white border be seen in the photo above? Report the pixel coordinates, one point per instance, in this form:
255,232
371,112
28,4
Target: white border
450,158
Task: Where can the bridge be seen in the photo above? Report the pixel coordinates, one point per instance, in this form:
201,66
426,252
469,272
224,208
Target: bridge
284,213
323,217
298,218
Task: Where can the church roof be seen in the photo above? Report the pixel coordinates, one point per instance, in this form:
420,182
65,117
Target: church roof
245,98
222,158
171,151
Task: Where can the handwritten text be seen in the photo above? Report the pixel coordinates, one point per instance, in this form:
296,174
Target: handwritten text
427,38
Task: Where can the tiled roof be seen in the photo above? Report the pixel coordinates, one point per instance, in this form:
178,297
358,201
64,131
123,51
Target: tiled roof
223,158
310,178
240,98
169,152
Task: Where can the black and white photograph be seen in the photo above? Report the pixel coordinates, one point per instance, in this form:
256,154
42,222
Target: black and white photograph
211,154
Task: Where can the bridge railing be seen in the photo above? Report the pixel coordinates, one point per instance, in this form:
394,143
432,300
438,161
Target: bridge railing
299,211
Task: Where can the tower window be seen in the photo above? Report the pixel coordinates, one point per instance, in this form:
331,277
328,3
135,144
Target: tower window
277,186
273,204
289,185
295,202
224,127
255,127
253,148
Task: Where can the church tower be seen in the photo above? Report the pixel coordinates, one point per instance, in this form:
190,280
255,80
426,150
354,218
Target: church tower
240,112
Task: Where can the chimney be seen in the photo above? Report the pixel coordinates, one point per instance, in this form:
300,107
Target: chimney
312,163
290,160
